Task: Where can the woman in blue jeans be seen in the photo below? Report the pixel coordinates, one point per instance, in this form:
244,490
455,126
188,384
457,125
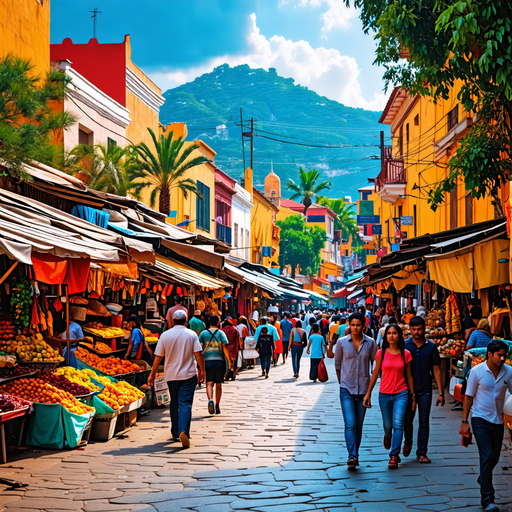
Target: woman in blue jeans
395,384
296,346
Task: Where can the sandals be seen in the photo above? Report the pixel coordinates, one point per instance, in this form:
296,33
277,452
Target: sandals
423,459
352,463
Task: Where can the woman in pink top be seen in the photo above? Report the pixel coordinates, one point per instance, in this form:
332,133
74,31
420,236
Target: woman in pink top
395,385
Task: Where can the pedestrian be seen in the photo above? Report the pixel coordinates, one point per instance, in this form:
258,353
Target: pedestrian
471,325
179,346
487,385
425,366
138,347
293,319
286,329
196,324
265,347
298,340
380,334
353,355
216,354
335,324
309,326
234,344
324,325
170,312
244,331
395,385
481,336
255,317
316,349
279,342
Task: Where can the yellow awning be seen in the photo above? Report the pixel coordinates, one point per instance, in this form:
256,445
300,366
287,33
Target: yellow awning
408,276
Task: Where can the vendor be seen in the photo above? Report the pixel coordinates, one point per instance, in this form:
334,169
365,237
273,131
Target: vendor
138,347
75,335
481,337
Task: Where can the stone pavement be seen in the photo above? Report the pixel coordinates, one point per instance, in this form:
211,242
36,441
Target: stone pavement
278,446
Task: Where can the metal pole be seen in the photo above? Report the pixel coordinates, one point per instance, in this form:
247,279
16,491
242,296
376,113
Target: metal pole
242,131
382,149
67,325
252,139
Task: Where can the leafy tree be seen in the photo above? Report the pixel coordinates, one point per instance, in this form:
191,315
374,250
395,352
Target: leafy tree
300,245
345,216
165,169
307,187
447,42
27,123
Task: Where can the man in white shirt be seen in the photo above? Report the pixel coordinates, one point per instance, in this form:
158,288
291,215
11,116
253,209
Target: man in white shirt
180,346
487,385
255,315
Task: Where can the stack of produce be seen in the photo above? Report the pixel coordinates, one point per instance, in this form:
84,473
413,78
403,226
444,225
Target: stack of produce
108,365
36,390
448,316
61,382
7,333
477,360
119,394
78,377
104,331
33,349
96,308
11,403
7,373
455,314
7,360
453,347
100,347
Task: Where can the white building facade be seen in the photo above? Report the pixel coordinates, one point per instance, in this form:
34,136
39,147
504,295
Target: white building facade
241,223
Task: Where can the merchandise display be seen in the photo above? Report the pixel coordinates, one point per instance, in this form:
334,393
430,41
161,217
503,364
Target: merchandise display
10,403
109,365
104,331
78,377
61,382
32,349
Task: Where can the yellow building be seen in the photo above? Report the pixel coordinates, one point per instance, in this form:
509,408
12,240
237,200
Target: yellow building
25,32
424,137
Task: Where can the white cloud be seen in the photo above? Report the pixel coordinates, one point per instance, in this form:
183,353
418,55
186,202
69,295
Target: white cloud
325,71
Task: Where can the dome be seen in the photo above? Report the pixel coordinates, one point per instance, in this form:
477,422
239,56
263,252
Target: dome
273,187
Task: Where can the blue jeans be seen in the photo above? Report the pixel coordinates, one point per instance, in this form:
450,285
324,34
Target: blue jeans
181,393
265,362
393,408
489,437
353,415
424,401
296,355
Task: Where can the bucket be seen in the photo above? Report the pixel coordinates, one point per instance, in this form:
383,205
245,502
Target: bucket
117,320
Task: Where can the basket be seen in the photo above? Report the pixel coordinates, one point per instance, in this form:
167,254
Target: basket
77,313
41,366
142,377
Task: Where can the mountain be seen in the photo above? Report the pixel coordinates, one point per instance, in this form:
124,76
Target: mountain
281,110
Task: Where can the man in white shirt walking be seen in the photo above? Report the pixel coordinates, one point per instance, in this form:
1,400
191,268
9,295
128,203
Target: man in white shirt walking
179,346
487,384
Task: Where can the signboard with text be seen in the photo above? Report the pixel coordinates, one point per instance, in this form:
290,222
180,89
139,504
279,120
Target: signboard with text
376,229
406,221
368,219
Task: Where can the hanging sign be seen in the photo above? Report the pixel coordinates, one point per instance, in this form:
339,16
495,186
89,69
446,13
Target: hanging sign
368,219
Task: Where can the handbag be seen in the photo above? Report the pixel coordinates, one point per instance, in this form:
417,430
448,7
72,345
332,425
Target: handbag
323,376
304,339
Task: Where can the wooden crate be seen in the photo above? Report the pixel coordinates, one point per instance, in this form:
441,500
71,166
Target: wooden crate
126,420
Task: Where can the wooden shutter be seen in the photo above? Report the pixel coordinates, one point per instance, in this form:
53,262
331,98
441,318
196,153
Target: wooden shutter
453,208
199,206
206,208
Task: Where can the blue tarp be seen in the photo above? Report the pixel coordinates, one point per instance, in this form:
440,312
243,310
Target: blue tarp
96,217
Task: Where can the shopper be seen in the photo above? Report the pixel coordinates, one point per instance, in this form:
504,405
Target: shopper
309,326
481,337
382,330
138,347
265,347
298,340
335,325
487,385
234,344
279,342
179,346
425,367
215,353
395,384
354,355
196,324
316,349
286,329
342,330
170,312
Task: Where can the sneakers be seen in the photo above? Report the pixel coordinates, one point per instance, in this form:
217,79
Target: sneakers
211,408
407,448
217,409
492,507
185,441
263,374
387,442
393,462
266,375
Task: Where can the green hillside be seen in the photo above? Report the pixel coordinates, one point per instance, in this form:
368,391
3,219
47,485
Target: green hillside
281,110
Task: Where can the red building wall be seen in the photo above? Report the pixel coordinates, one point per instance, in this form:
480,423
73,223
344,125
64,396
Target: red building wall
104,65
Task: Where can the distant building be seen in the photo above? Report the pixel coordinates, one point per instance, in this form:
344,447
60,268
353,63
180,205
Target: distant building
222,131
241,223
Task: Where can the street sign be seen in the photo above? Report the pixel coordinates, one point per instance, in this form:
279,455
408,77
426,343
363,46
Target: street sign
406,221
368,219
376,229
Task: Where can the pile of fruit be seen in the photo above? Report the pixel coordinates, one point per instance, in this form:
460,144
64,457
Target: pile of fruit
477,360
80,377
37,390
100,347
117,395
11,403
7,333
453,347
7,360
104,331
61,382
108,365
452,315
7,373
32,349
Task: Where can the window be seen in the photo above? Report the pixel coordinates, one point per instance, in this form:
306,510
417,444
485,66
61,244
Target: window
111,143
414,220
85,136
453,208
469,208
401,140
417,120
407,137
236,235
247,244
453,117
203,207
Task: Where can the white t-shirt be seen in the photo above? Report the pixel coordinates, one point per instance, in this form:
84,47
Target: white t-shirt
178,346
255,316
489,393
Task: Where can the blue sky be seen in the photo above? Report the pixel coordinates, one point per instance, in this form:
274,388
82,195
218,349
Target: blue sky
319,43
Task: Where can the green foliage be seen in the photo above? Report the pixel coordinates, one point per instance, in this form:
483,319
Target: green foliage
345,216
279,106
300,245
27,124
165,168
447,42
307,188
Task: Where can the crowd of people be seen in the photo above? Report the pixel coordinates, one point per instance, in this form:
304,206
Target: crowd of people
366,348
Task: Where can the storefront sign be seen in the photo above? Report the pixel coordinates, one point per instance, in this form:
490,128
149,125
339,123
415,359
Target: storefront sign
368,219
376,229
161,391
406,221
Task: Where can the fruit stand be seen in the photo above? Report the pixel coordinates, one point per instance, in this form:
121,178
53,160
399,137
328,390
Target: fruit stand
11,407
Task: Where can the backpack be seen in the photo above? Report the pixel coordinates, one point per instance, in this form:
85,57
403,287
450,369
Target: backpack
324,326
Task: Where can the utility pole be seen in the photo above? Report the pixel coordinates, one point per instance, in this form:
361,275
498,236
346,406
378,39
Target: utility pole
242,132
249,135
94,17
381,149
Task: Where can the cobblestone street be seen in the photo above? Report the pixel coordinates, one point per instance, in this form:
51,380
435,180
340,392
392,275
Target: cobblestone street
277,446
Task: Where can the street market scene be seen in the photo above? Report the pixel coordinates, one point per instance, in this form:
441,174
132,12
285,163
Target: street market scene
230,280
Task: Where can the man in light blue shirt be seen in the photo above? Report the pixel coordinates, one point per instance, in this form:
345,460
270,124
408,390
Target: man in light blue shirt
271,329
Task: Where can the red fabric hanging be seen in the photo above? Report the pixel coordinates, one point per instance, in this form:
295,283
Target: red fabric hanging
77,275
48,268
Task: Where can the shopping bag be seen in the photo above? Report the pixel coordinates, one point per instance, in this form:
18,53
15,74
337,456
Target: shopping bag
239,360
322,372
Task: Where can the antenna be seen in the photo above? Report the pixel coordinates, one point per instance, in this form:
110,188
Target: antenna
94,17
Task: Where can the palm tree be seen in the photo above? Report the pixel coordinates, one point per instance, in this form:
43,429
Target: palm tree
84,162
165,169
345,217
307,187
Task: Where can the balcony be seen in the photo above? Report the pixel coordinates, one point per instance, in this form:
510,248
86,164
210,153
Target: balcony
223,233
390,183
